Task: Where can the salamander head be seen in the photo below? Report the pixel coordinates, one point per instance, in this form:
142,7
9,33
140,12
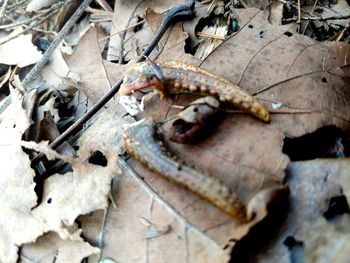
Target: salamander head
139,77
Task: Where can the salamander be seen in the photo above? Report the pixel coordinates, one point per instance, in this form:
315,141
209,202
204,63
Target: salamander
178,77
140,144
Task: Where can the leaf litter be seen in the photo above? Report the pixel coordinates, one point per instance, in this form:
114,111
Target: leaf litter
277,65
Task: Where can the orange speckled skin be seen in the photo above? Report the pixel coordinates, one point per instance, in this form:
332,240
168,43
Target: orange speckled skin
184,78
140,144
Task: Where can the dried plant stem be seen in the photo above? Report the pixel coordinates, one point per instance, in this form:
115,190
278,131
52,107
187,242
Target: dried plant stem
123,30
272,111
316,18
44,13
299,15
295,6
203,34
3,9
29,27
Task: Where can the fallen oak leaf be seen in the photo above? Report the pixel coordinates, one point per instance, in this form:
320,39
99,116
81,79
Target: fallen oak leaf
244,153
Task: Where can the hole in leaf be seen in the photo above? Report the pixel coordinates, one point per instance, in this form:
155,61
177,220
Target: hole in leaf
138,28
250,26
288,34
296,249
182,126
49,200
324,80
338,205
98,158
325,142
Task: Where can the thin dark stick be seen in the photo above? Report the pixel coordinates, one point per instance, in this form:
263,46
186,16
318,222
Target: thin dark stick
184,11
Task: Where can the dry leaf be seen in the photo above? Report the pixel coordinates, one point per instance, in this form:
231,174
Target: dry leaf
36,5
172,44
85,190
57,74
17,223
137,200
96,76
125,15
50,248
244,152
307,234
338,8
19,51
65,197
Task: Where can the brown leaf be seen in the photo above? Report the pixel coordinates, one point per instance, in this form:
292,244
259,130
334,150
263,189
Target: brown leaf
172,44
285,70
135,200
96,76
321,236
125,15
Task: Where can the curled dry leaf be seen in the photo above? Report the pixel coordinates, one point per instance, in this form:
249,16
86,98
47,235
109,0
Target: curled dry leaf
57,74
19,51
194,122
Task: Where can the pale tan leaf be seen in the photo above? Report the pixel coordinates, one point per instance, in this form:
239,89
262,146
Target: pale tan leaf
85,190
18,197
36,5
96,76
19,51
50,247
56,73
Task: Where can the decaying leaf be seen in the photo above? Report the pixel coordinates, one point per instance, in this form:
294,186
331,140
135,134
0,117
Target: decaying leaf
19,51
